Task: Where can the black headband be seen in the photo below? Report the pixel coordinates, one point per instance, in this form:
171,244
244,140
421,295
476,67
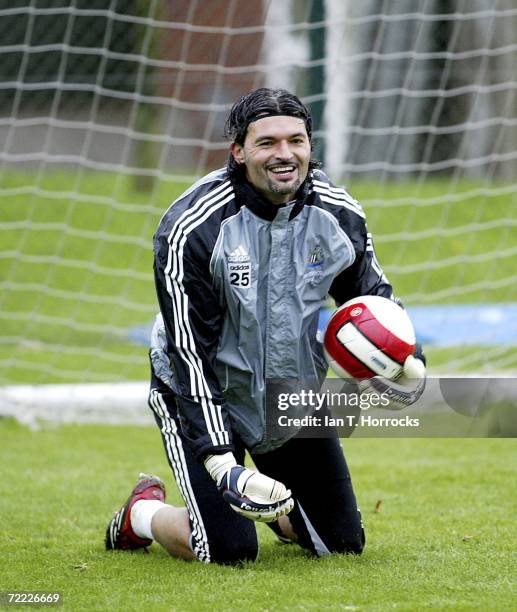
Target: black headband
268,113
273,113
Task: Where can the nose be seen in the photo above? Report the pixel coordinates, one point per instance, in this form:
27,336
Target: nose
283,151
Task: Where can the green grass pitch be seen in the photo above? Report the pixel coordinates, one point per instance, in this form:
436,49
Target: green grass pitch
439,516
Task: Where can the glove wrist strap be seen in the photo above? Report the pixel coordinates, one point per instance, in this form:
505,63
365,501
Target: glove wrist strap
218,465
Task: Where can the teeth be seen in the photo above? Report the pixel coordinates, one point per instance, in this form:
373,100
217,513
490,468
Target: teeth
282,169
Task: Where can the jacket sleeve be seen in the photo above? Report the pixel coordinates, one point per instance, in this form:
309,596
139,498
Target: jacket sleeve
365,275
193,320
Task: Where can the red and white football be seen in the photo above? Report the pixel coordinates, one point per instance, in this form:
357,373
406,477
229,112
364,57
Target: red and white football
369,336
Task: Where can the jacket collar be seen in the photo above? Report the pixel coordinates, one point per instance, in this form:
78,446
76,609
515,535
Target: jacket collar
265,209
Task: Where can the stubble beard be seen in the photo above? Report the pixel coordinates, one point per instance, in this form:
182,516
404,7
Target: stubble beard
284,190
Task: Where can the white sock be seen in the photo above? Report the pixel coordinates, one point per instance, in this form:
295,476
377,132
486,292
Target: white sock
142,514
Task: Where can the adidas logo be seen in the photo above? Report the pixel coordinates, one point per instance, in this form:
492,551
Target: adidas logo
239,255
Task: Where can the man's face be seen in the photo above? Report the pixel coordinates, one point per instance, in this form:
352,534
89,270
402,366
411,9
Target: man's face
276,153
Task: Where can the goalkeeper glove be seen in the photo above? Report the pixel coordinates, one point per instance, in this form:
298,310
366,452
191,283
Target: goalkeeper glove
250,493
404,391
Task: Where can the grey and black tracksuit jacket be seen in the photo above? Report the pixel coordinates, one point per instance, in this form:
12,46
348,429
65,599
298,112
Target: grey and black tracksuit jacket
240,284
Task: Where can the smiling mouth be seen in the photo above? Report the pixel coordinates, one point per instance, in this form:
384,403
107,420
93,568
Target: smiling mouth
285,171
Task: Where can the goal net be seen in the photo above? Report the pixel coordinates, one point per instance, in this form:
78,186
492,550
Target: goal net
110,108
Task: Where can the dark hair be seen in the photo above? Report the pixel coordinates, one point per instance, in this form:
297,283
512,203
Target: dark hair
263,102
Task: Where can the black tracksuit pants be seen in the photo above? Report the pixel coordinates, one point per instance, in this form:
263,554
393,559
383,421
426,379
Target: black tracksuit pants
325,516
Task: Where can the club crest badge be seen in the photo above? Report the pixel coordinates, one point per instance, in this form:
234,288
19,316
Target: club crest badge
315,259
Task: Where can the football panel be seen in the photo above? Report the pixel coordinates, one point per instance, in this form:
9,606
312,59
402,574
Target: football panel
390,315
337,352
395,348
360,347
358,372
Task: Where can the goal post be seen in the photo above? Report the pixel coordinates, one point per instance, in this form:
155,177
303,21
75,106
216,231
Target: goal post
110,109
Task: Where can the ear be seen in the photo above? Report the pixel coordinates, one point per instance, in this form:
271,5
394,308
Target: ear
237,151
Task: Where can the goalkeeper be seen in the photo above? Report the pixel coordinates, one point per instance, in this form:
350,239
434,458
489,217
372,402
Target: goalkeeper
244,260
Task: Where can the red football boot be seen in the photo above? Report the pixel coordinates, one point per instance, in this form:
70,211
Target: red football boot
119,534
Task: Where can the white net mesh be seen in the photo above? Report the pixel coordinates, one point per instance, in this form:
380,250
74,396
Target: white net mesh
109,109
